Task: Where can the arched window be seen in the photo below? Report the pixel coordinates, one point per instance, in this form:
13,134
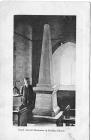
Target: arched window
64,66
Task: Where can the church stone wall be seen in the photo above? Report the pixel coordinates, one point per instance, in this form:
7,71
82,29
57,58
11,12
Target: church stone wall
22,54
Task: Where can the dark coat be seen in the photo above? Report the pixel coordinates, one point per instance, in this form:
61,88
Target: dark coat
28,96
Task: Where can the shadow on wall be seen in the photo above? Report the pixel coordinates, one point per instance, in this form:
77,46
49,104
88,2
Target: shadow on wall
66,97
64,65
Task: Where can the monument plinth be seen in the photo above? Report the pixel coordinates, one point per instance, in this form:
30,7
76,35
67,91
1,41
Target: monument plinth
46,98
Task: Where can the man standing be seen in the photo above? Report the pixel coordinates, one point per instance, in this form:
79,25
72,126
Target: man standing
28,97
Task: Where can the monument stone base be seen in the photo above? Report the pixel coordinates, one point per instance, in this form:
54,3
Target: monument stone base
46,103
46,119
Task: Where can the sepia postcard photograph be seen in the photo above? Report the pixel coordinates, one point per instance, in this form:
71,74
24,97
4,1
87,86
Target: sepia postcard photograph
45,70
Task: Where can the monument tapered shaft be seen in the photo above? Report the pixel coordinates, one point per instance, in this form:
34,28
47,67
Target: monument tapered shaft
45,73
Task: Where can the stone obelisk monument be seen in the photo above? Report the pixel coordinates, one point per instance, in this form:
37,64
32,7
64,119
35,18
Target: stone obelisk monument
46,98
